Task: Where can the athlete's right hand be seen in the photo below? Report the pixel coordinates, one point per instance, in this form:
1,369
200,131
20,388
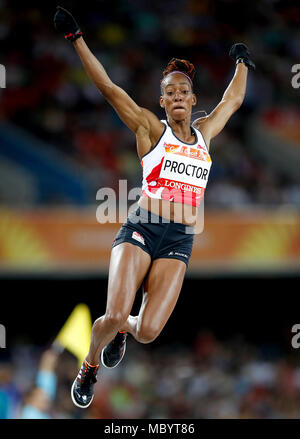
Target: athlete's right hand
65,22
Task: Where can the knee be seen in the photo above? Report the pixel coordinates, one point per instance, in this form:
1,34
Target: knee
115,320
147,334
111,320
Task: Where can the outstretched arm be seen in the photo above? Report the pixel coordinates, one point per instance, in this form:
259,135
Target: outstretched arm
141,121
232,99
131,114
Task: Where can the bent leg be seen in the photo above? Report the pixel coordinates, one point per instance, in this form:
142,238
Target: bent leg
129,265
162,287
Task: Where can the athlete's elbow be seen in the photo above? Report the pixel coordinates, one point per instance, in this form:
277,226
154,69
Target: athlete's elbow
106,89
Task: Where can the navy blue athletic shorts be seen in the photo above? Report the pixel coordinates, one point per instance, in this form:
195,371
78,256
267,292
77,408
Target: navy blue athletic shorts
159,237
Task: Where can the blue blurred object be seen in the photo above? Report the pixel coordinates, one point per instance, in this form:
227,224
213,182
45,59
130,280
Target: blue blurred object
31,412
46,380
56,177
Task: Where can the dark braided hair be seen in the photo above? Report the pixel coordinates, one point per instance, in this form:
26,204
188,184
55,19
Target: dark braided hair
182,65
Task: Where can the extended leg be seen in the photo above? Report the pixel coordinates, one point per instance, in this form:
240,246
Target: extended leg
128,266
162,287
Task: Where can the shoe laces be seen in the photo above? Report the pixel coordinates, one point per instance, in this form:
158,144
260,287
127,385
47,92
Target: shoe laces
87,374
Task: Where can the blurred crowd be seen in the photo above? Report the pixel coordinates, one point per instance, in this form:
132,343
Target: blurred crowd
49,93
209,379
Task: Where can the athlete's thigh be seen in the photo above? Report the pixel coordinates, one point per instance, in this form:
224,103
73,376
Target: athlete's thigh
128,267
162,287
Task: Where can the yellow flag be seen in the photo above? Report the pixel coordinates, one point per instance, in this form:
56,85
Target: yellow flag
75,335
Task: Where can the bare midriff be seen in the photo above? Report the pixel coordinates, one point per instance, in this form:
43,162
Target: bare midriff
177,212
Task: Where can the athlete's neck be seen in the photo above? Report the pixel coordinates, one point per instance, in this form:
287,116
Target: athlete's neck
182,129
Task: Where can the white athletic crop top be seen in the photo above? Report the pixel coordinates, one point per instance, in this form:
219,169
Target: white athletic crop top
176,171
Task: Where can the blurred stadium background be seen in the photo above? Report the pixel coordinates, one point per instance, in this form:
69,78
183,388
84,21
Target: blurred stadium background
60,142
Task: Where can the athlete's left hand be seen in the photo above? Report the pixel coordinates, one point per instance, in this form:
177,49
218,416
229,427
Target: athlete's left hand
66,23
240,50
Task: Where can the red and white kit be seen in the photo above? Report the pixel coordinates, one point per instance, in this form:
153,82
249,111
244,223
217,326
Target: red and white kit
176,171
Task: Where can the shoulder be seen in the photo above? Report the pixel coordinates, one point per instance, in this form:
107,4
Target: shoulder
202,124
149,132
155,125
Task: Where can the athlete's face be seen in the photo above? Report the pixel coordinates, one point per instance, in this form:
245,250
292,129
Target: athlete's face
178,97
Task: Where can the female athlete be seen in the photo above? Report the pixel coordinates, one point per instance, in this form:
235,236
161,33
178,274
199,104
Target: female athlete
153,248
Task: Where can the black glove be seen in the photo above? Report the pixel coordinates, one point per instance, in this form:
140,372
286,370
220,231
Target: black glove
65,22
240,52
